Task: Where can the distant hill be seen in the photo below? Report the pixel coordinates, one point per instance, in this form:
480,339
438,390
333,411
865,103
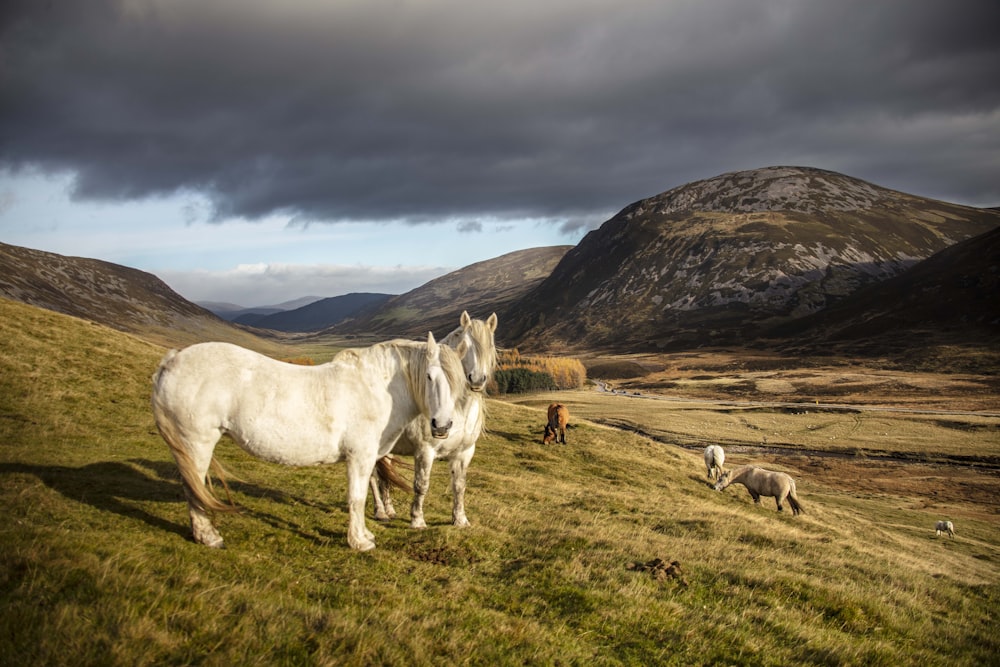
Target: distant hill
481,288
317,315
116,296
233,312
719,261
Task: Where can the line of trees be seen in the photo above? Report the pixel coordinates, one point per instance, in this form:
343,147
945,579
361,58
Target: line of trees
518,374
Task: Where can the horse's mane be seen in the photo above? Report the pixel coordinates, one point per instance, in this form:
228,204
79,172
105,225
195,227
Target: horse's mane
481,337
415,354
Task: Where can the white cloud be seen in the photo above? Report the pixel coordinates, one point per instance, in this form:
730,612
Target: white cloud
262,284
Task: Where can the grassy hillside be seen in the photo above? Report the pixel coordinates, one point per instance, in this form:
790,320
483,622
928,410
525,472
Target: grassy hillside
96,566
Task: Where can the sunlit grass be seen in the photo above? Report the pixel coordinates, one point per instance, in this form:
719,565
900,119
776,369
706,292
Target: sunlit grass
97,566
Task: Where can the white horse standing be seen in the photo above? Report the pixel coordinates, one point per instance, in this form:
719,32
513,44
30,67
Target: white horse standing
944,527
475,342
351,409
714,458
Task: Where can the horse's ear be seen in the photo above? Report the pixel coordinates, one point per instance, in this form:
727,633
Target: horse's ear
432,347
465,320
492,322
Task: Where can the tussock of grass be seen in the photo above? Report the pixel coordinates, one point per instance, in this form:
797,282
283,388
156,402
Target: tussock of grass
97,565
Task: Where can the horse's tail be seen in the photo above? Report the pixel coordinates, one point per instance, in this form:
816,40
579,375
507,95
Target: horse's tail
385,469
198,494
795,504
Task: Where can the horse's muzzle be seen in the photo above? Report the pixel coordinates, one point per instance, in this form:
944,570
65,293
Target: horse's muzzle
440,431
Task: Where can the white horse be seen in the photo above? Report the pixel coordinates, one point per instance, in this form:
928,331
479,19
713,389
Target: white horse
474,341
714,458
944,527
760,482
351,409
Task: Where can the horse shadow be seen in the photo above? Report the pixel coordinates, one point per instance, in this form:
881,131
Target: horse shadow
116,487
111,486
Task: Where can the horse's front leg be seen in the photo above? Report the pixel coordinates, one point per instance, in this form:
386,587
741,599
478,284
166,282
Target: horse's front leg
459,470
359,474
756,497
423,459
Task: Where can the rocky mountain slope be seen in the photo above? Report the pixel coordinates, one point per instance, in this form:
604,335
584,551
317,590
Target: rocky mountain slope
116,296
722,260
950,298
481,288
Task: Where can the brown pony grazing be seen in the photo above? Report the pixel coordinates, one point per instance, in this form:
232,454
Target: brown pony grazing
558,418
760,482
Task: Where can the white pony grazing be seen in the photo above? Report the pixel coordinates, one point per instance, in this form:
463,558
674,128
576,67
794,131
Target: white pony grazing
714,458
474,341
944,527
351,409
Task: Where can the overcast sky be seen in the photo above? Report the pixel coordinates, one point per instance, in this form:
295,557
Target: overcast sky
256,151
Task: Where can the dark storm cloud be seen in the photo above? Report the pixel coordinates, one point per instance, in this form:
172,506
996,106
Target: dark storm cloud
385,109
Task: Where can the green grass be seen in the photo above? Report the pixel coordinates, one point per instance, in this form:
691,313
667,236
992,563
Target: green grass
97,567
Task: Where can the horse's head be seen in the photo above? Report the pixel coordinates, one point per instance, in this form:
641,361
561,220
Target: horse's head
550,434
479,359
440,398
723,481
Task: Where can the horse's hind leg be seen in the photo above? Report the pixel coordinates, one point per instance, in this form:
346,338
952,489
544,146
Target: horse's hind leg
377,500
193,457
780,499
423,459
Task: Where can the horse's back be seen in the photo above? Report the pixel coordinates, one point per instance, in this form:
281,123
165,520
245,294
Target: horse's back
558,415
278,411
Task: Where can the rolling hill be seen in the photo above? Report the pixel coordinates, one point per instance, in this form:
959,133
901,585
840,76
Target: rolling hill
719,261
740,259
317,315
480,288
116,296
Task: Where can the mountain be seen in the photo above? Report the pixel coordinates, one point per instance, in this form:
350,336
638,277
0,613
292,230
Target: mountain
317,315
950,298
116,296
233,312
481,288
718,261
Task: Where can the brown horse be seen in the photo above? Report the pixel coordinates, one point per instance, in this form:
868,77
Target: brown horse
760,482
558,418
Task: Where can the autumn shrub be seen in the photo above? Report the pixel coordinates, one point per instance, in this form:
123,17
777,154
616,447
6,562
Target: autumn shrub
517,374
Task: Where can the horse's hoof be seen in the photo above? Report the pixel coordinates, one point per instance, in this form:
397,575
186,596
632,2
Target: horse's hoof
211,543
364,545
419,524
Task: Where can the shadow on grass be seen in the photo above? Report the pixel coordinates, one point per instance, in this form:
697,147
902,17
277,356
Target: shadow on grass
111,487
117,487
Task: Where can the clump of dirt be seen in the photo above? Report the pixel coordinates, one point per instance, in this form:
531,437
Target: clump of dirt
659,569
439,555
